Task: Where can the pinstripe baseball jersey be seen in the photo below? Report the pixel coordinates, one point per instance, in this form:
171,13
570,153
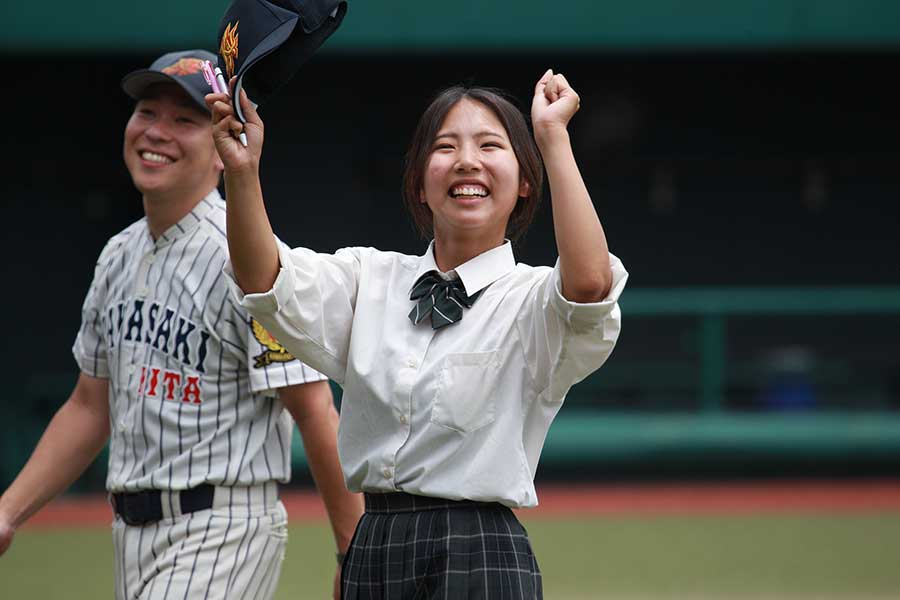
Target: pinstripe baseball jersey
192,378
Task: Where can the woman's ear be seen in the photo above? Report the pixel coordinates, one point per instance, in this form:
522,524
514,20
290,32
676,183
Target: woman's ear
421,196
524,189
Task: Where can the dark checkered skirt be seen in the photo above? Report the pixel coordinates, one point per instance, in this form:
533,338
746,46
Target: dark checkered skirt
415,547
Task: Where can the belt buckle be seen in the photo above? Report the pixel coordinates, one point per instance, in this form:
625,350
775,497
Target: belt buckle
130,521
138,508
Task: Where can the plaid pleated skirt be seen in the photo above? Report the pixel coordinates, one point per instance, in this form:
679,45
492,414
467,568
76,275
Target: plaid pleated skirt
415,547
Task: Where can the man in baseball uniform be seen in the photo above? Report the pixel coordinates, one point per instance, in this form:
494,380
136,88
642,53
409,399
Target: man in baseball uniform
188,389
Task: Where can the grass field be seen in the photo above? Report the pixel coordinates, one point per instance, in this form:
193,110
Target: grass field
821,556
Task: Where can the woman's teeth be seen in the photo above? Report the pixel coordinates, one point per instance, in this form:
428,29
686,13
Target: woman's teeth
468,190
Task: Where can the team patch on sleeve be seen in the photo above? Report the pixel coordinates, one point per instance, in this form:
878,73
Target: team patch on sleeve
274,352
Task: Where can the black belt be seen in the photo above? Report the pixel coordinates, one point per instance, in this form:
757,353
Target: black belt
140,508
399,502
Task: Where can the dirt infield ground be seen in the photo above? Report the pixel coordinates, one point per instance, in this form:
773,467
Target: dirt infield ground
579,500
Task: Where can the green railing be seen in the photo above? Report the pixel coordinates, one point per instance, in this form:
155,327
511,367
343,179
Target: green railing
712,306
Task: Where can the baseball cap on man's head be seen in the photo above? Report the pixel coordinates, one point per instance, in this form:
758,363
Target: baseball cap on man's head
183,68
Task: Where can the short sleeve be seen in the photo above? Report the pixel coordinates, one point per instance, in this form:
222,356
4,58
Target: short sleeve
90,348
270,364
566,341
584,317
310,307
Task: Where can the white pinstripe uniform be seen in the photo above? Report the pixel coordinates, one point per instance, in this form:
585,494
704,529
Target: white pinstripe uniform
192,401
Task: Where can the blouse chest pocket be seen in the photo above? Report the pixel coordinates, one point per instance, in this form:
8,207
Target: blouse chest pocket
466,389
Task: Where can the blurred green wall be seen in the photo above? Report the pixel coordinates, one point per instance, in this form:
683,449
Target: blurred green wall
462,25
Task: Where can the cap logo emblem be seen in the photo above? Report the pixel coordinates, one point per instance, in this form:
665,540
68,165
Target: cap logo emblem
229,47
184,66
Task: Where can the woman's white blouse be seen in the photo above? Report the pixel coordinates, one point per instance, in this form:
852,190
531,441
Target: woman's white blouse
461,412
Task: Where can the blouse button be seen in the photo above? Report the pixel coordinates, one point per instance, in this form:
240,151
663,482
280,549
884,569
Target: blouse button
411,363
387,473
403,419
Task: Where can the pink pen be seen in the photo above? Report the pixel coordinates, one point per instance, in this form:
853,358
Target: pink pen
217,82
210,77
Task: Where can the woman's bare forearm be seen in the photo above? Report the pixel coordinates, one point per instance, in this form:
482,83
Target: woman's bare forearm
251,242
583,254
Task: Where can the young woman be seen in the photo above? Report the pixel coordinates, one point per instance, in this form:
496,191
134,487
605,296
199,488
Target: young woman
453,363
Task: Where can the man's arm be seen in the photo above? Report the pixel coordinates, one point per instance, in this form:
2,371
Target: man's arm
312,406
72,440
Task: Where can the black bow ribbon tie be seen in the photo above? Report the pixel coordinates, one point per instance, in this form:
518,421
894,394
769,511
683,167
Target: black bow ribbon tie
443,299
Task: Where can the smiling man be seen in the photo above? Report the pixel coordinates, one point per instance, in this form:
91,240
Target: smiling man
194,396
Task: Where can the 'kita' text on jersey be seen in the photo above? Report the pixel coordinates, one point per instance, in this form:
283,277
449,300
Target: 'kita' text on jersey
192,377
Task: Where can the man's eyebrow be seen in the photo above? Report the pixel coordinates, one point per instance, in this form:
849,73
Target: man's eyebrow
192,106
187,103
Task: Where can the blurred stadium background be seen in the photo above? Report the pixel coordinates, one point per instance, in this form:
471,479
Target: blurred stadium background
744,157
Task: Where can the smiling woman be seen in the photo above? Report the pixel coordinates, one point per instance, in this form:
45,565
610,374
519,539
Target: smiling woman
453,363
472,181
504,130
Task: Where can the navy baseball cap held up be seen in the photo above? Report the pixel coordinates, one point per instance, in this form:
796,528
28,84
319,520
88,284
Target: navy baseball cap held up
182,68
264,42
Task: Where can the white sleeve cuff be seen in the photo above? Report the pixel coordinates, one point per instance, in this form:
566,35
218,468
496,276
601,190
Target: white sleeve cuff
590,315
275,299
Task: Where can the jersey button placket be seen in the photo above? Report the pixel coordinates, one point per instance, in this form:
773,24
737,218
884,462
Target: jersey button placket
143,267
